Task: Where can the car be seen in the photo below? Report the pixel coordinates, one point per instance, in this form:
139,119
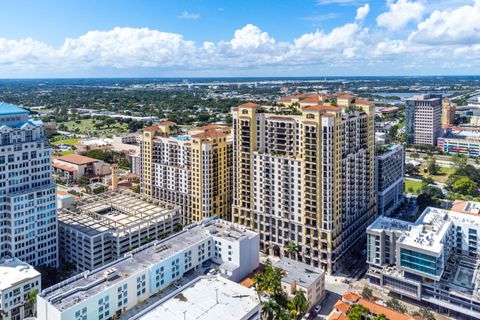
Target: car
207,270
318,308
207,264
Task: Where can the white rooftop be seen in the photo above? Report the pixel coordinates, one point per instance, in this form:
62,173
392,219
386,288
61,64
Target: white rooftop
199,300
389,224
14,271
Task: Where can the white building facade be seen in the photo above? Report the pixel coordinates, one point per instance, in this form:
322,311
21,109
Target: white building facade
119,286
17,279
28,215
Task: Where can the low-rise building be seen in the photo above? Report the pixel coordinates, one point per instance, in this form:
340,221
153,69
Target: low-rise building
17,279
434,260
206,298
73,166
466,206
129,142
349,299
117,287
99,229
301,276
389,177
460,145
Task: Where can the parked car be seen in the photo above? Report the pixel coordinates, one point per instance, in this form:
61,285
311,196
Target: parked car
318,308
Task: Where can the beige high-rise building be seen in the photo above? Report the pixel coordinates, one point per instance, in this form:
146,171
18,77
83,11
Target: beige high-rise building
448,113
306,179
191,170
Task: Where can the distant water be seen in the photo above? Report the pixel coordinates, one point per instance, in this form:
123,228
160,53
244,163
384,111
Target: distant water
404,95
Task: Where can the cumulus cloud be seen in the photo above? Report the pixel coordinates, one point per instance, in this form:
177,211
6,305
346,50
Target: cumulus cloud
362,12
400,13
458,26
189,15
351,47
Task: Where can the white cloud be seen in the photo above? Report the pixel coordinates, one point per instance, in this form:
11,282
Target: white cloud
444,39
362,12
460,26
189,15
400,13
251,37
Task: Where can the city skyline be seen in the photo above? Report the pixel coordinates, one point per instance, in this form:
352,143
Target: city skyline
186,38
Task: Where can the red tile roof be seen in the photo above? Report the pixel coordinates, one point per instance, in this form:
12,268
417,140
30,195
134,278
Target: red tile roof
389,109
77,159
63,167
250,105
322,108
167,123
349,296
153,127
209,134
337,316
341,306
379,309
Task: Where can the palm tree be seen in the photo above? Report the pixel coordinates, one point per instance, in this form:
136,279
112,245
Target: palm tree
292,249
298,305
268,309
31,301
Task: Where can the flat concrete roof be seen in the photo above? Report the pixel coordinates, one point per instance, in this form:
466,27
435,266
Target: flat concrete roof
13,271
66,295
304,275
114,211
198,300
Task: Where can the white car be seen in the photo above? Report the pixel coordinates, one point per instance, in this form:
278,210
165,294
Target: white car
318,309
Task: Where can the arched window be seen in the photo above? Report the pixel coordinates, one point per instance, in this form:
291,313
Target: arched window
244,111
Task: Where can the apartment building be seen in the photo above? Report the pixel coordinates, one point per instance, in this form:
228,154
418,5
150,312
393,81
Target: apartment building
389,177
97,230
423,119
17,279
448,113
28,216
112,290
434,260
307,179
301,276
192,170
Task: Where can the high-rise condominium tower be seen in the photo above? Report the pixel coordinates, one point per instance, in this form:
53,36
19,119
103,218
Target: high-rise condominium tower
306,179
190,170
28,213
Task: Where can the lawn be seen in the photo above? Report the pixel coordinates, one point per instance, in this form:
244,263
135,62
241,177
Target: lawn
70,142
64,153
442,175
412,186
87,126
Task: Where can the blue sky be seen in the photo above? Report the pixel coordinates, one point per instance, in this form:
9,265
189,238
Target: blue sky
238,38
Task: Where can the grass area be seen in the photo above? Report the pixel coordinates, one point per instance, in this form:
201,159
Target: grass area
442,175
87,126
64,153
70,142
412,186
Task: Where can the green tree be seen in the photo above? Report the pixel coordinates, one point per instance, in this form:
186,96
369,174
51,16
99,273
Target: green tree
433,168
31,302
464,186
269,308
424,314
429,196
298,305
379,317
292,249
394,304
459,161
357,312
411,169
367,293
